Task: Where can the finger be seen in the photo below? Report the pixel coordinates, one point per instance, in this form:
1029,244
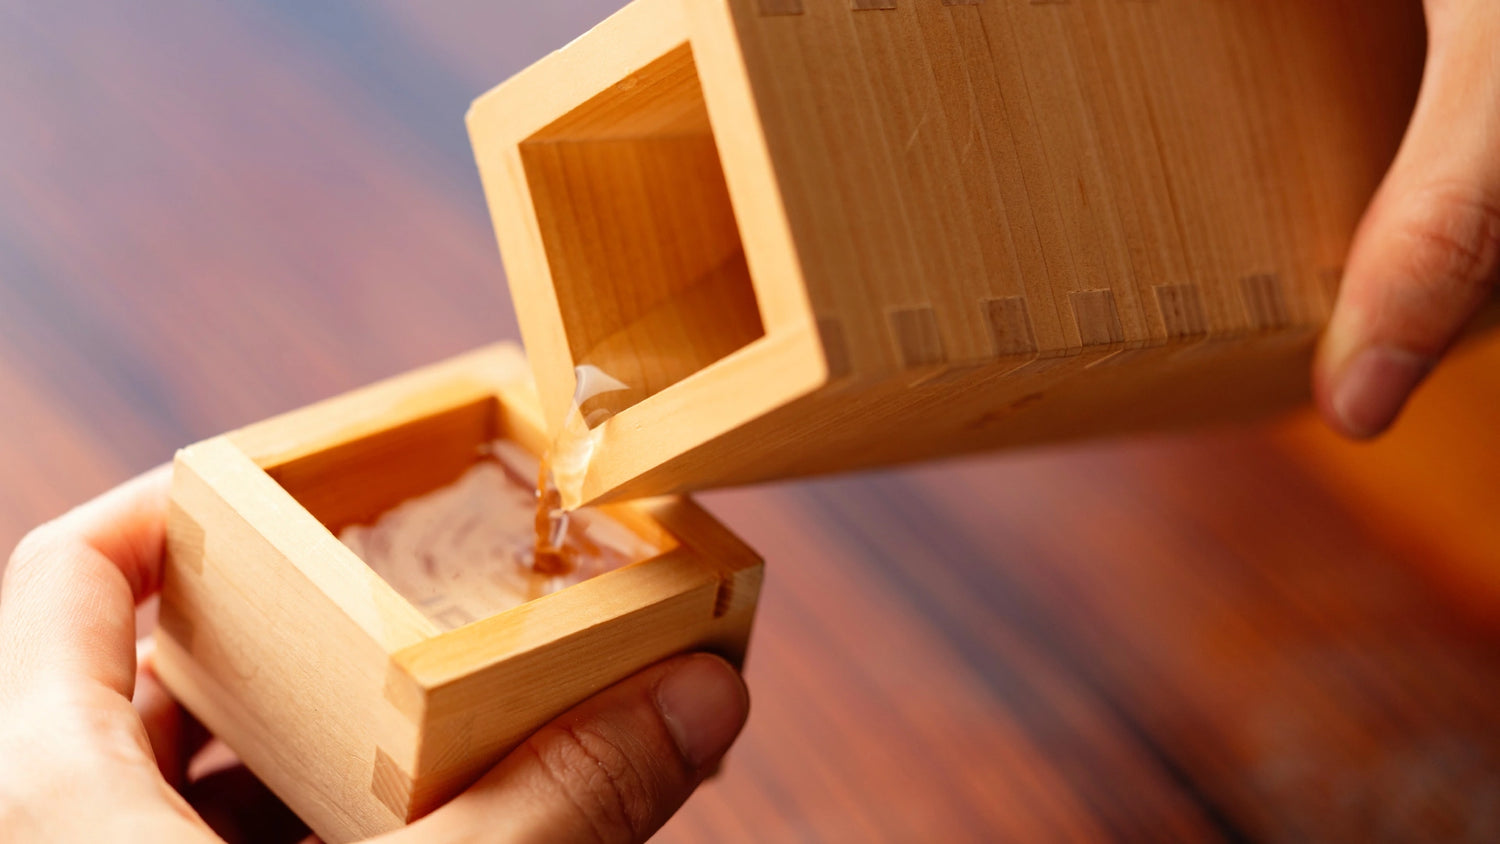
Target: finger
68,598
175,735
1427,253
612,769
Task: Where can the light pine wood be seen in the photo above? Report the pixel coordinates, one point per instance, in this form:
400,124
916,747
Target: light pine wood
817,235
334,690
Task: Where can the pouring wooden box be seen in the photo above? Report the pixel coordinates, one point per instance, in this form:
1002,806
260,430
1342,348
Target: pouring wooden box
343,697
797,227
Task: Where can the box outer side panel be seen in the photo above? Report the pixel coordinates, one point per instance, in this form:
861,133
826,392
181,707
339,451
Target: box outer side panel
269,664
980,180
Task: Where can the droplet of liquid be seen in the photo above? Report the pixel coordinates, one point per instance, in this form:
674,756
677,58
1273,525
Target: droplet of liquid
551,525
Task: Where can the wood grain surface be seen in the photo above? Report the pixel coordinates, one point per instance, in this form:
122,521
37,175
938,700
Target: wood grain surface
212,214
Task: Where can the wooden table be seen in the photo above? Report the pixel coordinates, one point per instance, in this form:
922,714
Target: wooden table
211,214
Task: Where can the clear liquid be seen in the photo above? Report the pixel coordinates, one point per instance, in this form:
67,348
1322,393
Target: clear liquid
565,465
491,540
550,525
470,549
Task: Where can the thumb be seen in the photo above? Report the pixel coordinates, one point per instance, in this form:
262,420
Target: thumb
614,768
1428,251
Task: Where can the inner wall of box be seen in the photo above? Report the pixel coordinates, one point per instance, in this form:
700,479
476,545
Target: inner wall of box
640,233
354,482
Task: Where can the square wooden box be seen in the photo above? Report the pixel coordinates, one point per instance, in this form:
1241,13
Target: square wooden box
794,227
354,707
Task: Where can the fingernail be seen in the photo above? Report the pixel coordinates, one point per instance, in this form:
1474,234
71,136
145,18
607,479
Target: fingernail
704,704
1372,388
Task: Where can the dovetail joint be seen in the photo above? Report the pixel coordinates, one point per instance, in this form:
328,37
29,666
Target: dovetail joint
916,335
1182,311
1265,302
835,348
724,596
186,540
391,785
1098,318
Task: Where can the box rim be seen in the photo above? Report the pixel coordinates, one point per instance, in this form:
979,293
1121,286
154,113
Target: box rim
788,362
414,641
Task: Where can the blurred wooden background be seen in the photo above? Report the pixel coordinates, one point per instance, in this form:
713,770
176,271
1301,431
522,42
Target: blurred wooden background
212,213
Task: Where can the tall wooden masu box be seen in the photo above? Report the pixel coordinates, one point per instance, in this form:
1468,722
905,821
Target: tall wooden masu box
819,235
812,235
341,696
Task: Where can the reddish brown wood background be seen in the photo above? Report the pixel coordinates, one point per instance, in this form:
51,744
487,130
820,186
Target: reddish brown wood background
210,214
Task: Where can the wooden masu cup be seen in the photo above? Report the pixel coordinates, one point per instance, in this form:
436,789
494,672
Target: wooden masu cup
348,702
818,235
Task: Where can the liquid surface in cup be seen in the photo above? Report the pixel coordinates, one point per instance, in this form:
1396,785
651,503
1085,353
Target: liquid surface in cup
472,548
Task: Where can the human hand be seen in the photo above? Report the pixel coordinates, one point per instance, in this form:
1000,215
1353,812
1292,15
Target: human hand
80,762
1427,253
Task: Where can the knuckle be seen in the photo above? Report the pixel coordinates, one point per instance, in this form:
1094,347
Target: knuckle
34,544
599,778
104,731
31,554
1453,239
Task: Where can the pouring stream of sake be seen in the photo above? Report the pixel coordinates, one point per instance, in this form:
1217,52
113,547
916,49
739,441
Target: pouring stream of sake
566,463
